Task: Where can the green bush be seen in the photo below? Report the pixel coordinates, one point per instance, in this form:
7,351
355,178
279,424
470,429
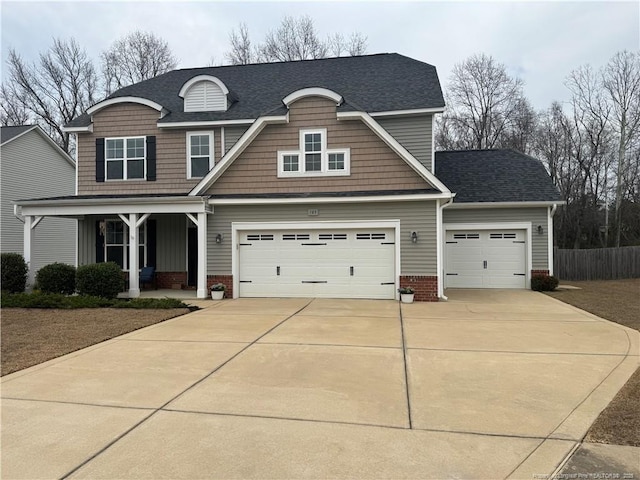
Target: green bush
57,278
100,280
544,283
14,272
56,300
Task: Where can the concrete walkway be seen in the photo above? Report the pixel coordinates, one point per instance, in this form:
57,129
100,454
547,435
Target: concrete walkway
492,384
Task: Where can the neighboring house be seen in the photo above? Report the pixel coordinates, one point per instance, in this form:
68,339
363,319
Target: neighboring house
33,165
310,179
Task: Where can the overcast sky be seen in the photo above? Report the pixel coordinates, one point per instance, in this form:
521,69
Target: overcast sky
541,42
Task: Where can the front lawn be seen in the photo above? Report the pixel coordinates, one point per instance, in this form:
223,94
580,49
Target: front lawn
35,335
618,301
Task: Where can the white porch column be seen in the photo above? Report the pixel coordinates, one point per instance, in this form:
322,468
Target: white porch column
134,275
202,256
30,222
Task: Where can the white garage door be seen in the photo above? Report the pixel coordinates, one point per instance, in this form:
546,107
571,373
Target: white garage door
485,259
317,263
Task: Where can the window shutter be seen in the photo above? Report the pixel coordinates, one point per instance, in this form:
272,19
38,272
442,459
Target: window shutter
99,159
151,243
99,243
151,158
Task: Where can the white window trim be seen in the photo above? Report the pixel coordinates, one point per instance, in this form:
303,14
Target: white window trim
125,160
142,242
212,161
324,157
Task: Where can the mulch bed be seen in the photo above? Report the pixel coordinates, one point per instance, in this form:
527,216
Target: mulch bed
32,336
618,301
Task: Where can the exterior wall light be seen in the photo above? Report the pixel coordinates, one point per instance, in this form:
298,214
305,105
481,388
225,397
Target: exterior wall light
219,238
540,230
414,237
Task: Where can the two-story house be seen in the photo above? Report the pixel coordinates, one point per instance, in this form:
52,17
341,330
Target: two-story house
301,179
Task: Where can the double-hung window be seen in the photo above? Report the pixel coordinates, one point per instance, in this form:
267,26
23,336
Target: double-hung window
116,243
314,158
199,154
125,158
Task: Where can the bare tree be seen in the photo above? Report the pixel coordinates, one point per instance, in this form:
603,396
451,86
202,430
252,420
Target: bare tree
295,38
133,58
53,91
483,102
12,108
621,82
241,52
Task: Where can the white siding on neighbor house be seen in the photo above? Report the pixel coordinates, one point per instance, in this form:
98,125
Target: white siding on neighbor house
420,216
32,168
232,135
535,216
413,133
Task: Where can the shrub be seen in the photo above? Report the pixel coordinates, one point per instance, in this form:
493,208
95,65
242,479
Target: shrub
100,280
544,283
57,278
14,272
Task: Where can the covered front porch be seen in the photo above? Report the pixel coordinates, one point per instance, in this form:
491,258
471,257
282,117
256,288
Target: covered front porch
168,233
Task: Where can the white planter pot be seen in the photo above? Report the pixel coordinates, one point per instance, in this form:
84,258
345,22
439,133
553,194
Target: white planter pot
217,294
406,297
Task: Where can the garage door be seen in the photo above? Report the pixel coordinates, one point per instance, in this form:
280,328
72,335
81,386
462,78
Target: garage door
318,263
485,259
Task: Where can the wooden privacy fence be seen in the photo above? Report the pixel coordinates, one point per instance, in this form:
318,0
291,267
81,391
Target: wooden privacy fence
597,263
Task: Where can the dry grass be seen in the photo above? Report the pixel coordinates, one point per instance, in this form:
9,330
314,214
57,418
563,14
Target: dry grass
618,301
32,336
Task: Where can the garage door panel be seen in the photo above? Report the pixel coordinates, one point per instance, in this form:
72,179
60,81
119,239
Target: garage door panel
485,259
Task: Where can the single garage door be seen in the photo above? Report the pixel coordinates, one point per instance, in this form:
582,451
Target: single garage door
318,263
485,259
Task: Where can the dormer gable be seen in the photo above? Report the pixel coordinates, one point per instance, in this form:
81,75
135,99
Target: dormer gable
205,93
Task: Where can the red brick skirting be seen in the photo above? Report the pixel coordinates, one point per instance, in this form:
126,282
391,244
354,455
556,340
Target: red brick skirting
426,287
169,279
540,272
226,279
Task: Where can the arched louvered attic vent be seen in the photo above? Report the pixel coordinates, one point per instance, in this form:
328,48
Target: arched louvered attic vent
204,93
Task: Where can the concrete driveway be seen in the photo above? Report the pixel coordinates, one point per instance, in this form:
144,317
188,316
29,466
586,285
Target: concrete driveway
492,384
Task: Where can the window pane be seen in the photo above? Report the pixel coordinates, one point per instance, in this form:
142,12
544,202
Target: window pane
312,162
135,148
115,148
290,163
199,145
336,161
199,166
312,142
135,169
115,169
115,254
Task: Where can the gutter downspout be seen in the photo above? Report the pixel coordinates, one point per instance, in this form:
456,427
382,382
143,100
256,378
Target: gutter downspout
441,207
552,211
16,214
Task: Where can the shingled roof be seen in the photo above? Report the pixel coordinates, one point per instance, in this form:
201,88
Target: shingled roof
494,176
7,133
373,83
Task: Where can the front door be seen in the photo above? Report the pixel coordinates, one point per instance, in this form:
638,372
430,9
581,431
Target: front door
192,256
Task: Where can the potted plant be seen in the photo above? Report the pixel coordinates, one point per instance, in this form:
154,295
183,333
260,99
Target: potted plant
406,294
217,291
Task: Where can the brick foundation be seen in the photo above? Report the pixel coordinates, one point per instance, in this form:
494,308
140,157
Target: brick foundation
168,279
226,279
540,272
426,287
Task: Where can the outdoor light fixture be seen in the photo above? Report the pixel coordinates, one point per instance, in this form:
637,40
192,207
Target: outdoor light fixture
219,238
540,230
414,237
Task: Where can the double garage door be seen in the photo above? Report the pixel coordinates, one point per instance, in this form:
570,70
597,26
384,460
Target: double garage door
485,259
340,263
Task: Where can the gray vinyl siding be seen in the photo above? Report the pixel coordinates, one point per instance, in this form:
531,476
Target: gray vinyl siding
232,135
416,259
32,168
171,242
413,133
534,216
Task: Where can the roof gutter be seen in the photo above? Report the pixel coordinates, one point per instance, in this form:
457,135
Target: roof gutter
470,205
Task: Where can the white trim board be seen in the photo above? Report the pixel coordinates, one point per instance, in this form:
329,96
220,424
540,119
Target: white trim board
415,111
237,227
356,199
312,92
207,123
461,205
527,227
114,101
